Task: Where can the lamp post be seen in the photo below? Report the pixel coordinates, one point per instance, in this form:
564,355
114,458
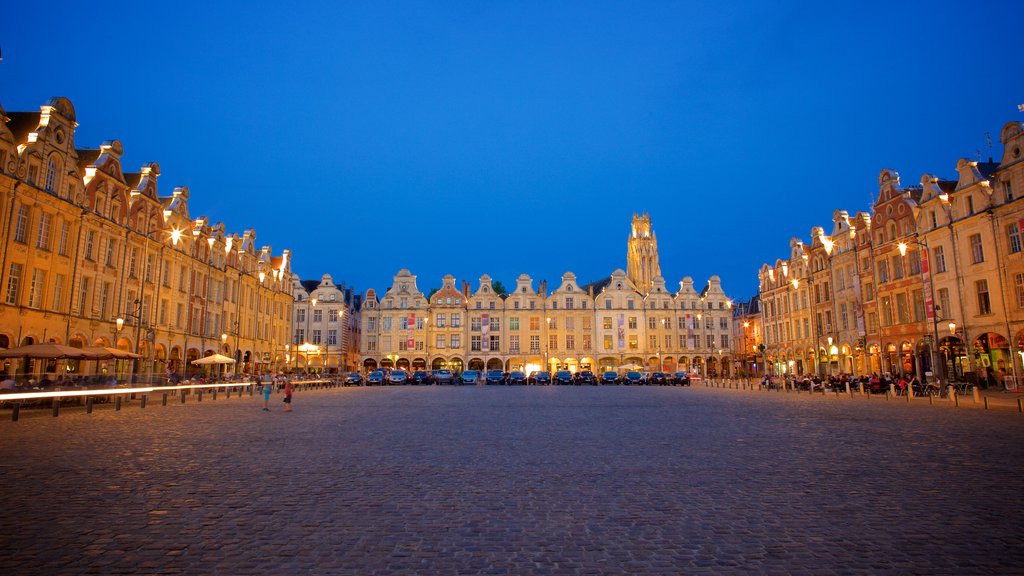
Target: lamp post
700,341
925,271
224,337
661,364
746,363
136,314
815,329
547,344
426,342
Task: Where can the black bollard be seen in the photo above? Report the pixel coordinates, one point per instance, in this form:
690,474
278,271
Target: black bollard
164,399
182,396
199,396
56,407
117,403
215,394
142,402
88,405
227,393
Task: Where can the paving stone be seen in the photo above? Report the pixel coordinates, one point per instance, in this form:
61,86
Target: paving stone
517,480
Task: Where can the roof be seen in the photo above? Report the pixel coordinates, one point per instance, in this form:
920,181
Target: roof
987,168
597,285
87,157
915,193
947,186
21,124
133,179
309,285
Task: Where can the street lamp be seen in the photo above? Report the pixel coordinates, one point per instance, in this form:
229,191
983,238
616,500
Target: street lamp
746,363
136,314
933,349
661,364
426,342
547,344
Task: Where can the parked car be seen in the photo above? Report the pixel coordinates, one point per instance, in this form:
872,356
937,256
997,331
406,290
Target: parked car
586,377
563,377
518,378
659,378
398,377
420,377
681,378
634,378
444,377
469,377
610,378
353,379
543,378
495,377
375,378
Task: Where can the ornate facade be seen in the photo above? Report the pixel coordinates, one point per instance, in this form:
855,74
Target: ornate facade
87,244
325,326
930,284
606,325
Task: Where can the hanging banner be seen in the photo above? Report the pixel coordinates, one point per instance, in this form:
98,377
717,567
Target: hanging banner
485,327
411,339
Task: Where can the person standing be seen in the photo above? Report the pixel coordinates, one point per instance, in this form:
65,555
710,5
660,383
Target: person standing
268,387
288,396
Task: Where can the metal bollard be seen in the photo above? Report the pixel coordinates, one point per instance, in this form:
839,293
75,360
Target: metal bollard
182,396
15,411
56,407
199,396
848,389
163,401
956,400
986,402
227,393
142,402
1020,405
88,405
977,393
214,394
117,403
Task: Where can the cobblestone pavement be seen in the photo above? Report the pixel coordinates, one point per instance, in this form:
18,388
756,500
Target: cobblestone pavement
495,480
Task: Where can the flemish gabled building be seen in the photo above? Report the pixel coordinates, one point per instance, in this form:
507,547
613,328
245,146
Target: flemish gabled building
604,325
934,277
86,244
326,325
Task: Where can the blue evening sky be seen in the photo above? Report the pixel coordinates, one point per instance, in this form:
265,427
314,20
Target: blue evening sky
502,138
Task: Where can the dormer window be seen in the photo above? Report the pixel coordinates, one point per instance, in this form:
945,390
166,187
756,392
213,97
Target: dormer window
51,176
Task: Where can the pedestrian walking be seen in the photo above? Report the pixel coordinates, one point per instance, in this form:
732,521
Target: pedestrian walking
288,396
268,387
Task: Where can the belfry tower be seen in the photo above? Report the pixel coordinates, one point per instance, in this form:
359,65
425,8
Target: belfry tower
642,257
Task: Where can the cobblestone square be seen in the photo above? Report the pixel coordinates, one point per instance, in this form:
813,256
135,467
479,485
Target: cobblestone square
516,480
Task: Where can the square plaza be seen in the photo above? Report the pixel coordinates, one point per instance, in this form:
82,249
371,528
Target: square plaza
515,480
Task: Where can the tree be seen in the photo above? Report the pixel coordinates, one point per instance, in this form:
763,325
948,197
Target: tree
499,288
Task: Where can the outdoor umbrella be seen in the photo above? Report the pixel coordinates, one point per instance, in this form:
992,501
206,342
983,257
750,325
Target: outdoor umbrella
106,353
213,359
47,350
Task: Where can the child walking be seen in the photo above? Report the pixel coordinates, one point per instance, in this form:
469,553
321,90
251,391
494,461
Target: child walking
288,396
